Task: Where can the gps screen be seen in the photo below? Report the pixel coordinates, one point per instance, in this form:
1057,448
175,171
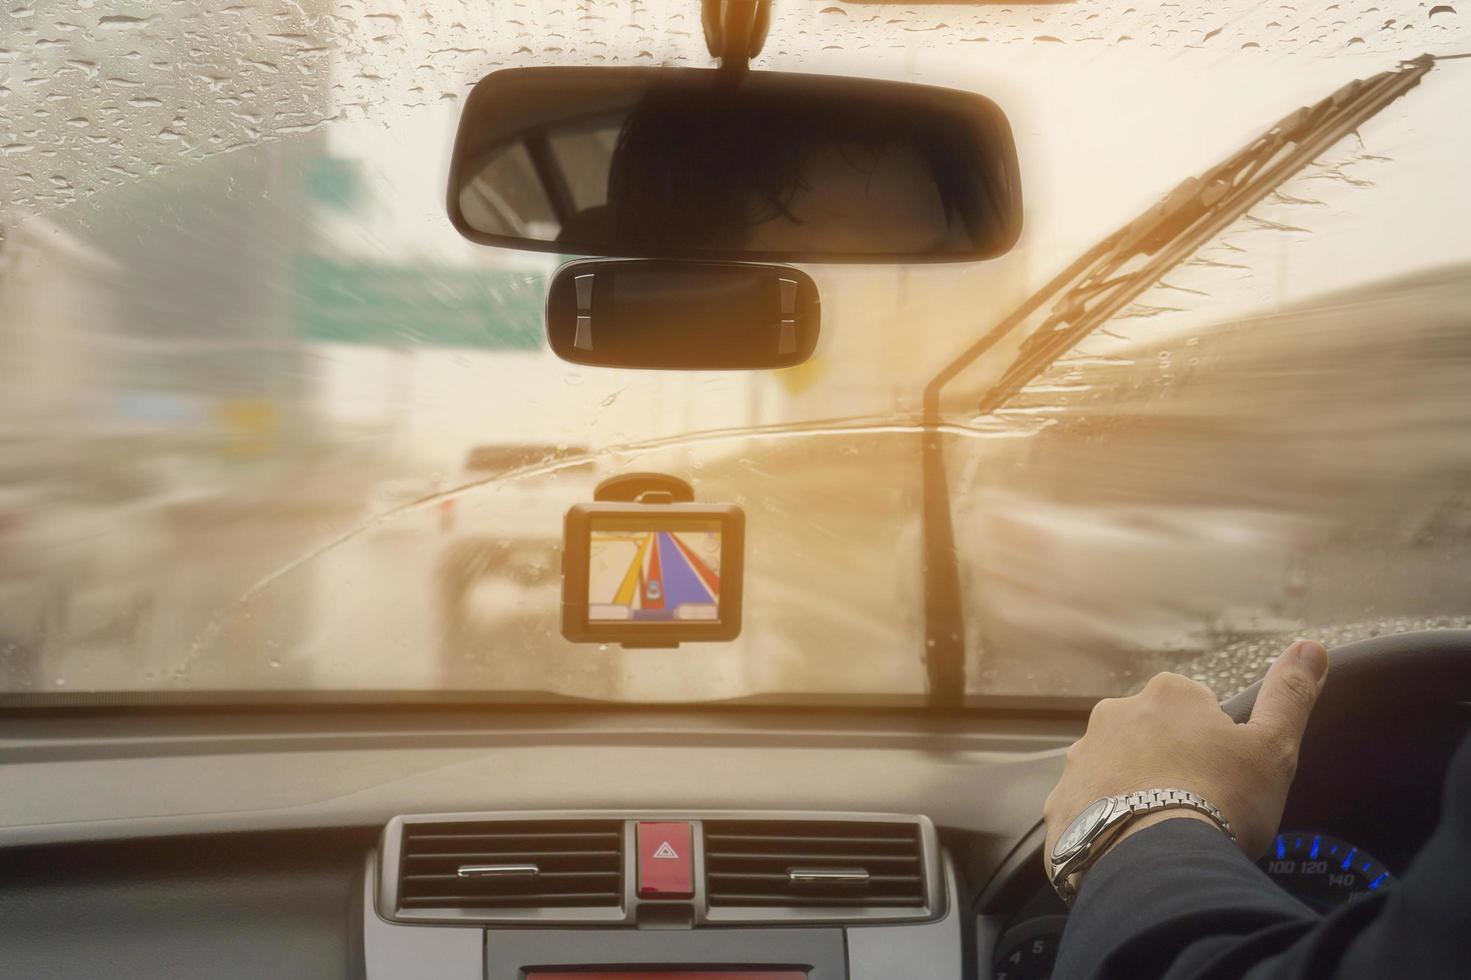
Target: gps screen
643,573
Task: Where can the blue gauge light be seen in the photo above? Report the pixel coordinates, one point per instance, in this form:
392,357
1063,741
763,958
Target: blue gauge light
1321,871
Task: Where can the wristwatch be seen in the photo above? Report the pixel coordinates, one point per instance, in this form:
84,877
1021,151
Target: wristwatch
1084,840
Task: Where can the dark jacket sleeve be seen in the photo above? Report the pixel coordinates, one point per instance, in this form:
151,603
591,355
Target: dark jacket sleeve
1178,901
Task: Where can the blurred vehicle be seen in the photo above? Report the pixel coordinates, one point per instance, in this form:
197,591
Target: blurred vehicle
79,563
1111,585
501,567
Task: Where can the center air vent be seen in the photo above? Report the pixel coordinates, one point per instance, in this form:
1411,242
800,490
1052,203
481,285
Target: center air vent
807,864
511,864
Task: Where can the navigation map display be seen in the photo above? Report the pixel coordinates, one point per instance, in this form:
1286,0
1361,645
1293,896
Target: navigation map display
652,574
639,573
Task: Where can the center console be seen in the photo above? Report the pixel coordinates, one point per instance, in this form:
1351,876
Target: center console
726,895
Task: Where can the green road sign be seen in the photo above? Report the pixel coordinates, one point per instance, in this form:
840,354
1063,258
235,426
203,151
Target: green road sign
420,305
335,182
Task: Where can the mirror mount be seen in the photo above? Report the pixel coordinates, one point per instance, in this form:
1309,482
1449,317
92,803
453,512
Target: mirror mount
642,487
735,31
682,315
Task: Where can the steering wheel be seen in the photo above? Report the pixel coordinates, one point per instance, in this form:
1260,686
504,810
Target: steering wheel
1382,694
1382,733
1385,674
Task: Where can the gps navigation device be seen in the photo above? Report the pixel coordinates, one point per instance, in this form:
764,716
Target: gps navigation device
652,574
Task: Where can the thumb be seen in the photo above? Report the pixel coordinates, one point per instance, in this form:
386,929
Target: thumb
1290,690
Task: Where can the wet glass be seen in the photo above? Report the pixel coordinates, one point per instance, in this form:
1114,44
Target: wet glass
268,423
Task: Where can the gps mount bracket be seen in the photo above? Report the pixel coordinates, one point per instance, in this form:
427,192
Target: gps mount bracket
735,31
645,488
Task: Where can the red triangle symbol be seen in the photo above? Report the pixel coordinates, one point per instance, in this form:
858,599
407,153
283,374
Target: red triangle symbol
665,851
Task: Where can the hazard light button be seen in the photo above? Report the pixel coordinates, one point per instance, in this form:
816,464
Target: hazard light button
665,860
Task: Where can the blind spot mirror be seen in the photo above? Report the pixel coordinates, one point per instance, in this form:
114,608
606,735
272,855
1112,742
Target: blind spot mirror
766,166
690,316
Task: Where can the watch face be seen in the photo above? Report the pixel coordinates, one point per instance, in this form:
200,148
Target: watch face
1080,828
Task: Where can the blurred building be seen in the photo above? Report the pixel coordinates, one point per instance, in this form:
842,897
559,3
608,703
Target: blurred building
57,295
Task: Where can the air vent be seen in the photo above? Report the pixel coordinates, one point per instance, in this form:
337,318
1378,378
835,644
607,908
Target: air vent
805,864
511,864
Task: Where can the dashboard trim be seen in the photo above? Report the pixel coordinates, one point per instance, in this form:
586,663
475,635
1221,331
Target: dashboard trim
1028,848
392,950
913,952
390,849
818,952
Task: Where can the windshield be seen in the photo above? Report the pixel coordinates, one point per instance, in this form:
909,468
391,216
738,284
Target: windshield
269,424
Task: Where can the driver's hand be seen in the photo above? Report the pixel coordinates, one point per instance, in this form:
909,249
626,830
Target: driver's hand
1173,734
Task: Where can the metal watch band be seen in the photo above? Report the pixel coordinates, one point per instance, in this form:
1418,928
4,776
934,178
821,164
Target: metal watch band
1150,800
1136,804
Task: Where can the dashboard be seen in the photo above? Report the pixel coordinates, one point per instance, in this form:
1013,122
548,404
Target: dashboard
663,844
1320,870
1361,806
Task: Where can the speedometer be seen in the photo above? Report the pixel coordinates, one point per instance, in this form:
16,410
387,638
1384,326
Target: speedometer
1321,871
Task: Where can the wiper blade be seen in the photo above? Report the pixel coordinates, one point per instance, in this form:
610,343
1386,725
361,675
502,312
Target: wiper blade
1097,286
1116,270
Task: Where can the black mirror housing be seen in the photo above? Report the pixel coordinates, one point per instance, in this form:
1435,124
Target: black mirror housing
690,316
763,166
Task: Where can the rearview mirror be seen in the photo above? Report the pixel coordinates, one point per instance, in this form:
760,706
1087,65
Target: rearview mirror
691,163
691,316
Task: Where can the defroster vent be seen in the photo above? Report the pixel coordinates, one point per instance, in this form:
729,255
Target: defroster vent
507,864
806,864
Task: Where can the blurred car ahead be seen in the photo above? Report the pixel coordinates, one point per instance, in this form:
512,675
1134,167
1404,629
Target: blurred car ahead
502,563
77,566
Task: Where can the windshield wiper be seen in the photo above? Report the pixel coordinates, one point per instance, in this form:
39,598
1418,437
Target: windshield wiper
1098,285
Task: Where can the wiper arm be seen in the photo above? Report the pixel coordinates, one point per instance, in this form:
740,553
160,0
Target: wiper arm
1118,269
1098,285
